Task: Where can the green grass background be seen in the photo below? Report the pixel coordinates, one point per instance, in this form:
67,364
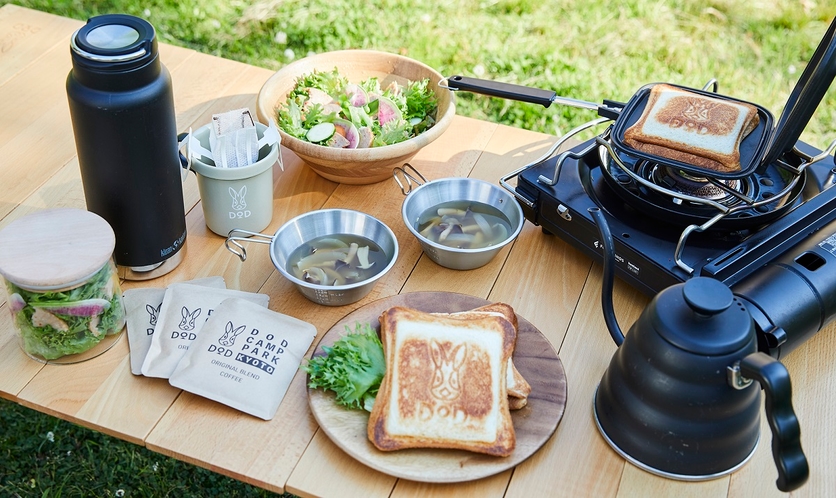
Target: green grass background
584,49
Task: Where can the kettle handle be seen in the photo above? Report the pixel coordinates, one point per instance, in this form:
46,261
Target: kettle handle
774,378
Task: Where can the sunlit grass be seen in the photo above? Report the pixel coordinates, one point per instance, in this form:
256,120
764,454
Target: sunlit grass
584,49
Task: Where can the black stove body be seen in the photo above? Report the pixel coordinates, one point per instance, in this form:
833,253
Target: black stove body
784,270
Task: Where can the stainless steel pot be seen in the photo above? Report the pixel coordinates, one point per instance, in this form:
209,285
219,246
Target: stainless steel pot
313,224
430,194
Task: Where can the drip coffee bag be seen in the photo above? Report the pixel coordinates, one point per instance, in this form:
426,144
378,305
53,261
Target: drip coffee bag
185,309
234,141
143,308
245,357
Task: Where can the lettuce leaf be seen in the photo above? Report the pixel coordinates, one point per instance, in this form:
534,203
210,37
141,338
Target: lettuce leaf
353,368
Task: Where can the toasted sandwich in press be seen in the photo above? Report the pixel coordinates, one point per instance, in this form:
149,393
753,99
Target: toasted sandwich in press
445,383
693,128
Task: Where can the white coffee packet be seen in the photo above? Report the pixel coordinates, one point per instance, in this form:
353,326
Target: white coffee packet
185,309
233,140
245,357
143,307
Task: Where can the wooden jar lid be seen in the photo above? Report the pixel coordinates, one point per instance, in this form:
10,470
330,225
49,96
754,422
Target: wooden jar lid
55,248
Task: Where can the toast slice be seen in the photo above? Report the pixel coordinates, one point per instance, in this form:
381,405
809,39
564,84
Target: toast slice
517,386
445,383
692,128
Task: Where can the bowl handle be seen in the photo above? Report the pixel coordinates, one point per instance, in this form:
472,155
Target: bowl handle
235,240
409,177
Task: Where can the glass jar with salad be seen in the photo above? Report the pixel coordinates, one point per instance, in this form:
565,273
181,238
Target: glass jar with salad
61,284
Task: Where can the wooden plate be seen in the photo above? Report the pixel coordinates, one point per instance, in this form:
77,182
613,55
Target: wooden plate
534,357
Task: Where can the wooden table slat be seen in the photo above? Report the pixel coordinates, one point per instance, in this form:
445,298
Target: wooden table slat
551,284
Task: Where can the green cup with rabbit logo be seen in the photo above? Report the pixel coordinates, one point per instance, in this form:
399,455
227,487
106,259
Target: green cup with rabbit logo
239,197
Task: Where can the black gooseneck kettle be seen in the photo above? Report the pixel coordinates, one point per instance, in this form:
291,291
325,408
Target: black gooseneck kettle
678,397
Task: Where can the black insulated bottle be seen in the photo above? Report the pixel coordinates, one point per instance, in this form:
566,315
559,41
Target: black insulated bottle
122,111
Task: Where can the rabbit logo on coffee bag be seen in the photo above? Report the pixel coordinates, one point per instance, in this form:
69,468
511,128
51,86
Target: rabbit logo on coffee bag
227,340
239,203
187,321
152,319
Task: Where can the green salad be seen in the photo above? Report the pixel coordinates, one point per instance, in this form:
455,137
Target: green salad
353,368
326,109
59,323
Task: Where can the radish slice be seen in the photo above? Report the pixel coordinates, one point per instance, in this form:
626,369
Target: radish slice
86,307
16,302
321,132
387,111
356,95
349,131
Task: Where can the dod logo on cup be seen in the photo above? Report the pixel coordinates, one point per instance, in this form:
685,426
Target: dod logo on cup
239,204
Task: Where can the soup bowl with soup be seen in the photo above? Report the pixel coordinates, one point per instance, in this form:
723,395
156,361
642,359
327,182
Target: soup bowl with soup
461,223
333,256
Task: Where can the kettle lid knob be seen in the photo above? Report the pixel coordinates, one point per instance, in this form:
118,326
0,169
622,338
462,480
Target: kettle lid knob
707,296
700,317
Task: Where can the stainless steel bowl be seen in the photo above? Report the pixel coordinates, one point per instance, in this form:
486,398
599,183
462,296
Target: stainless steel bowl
308,226
430,194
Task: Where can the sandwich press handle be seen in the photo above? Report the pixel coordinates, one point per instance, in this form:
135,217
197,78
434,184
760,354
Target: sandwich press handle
774,378
805,97
510,91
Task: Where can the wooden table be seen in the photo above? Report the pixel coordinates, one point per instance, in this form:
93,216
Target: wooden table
548,282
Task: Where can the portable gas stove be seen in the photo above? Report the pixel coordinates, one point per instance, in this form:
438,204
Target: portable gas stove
767,229
661,248
668,226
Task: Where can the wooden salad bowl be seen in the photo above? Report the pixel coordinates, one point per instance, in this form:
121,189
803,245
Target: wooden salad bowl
356,166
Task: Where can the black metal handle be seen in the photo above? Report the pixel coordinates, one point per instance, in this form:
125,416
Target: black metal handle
806,96
793,469
502,90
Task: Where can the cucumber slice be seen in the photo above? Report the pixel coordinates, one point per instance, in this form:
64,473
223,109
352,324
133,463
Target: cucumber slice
321,132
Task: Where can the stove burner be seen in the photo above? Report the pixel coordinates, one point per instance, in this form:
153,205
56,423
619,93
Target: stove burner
682,182
684,199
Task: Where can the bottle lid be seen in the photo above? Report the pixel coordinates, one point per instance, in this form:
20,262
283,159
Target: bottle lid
113,39
55,248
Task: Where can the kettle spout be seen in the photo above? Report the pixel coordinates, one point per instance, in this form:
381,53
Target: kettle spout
608,277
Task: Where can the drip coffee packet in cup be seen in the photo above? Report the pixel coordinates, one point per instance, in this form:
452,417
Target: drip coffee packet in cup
234,141
143,308
185,309
245,357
